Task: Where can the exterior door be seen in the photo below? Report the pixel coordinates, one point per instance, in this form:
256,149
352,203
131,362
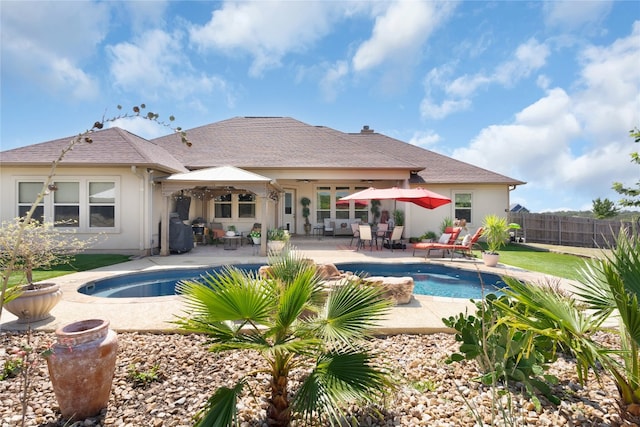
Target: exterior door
289,210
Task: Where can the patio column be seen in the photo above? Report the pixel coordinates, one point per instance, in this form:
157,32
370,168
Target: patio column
164,238
265,215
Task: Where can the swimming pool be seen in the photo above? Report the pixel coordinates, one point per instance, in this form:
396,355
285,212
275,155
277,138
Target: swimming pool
429,279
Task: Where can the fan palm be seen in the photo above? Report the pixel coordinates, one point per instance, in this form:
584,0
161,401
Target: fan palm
611,286
285,316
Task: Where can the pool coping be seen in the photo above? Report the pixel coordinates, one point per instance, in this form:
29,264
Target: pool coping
157,314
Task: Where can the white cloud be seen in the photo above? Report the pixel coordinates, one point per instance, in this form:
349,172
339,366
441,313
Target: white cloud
458,92
425,139
142,127
573,145
432,110
155,66
401,32
333,80
529,57
46,43
143,15
267,31
569,14
609,99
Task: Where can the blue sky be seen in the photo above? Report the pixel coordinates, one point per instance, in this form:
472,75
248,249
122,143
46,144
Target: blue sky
544,92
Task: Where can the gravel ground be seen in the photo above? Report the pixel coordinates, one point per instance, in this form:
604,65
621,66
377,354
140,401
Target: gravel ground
431,393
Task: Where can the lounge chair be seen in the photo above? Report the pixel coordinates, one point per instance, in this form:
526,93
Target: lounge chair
395,237
447,238
465,247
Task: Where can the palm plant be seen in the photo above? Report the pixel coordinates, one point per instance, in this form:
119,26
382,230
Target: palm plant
611,285
286,317
496,232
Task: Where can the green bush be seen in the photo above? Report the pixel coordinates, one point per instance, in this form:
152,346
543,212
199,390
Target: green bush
499,349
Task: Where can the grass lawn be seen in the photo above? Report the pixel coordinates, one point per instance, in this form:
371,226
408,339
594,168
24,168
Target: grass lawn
532,259
81,262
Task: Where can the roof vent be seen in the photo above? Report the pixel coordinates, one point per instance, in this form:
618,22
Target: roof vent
365,129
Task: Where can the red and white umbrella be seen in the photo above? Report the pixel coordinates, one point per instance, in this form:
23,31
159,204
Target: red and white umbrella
419,196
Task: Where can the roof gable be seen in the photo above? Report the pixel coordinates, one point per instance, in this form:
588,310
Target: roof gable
109,147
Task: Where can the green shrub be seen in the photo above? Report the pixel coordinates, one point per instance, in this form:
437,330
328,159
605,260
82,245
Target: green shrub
11,368
499,349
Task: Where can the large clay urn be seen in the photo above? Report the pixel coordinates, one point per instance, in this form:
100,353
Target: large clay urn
82,366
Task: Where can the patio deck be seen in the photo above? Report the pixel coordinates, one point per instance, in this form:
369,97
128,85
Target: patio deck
422,315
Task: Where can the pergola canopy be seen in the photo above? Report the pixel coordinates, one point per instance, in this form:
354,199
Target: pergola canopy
222,178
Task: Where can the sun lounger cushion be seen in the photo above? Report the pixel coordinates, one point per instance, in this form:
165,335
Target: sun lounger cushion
466,240
444,238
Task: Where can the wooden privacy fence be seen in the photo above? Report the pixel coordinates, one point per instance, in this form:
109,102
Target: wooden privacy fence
567,230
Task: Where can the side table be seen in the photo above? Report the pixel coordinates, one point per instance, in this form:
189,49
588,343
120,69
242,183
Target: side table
231,242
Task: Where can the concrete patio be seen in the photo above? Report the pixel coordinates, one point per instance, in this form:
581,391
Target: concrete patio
422,315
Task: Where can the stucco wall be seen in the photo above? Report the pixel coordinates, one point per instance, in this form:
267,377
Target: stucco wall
132,200
486,199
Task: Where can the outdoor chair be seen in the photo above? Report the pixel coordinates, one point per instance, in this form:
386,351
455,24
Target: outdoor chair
381,231
395,238
329,227
365,236
447,238
217,231
356,232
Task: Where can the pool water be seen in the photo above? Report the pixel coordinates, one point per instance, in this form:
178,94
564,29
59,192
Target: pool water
428,279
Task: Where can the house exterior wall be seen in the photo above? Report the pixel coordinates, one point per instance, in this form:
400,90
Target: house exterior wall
131,234
140,204
486,199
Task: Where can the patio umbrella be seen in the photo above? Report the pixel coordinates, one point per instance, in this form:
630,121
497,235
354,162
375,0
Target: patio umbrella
419,196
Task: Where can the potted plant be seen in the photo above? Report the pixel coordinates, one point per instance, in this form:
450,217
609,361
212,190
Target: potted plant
496,234
231,231
255,236
276,239
41,246
447,222
305,202
428,236
375,210
398,217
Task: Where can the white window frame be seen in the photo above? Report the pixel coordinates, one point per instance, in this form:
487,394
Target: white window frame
83,226
471,209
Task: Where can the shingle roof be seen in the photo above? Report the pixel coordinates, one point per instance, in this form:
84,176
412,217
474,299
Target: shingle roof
260,142
110,147
283,142
277,142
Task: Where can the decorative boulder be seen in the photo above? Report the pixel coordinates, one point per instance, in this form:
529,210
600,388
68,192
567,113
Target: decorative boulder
400,289
328,271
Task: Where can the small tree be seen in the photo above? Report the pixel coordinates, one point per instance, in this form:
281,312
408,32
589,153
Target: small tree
42,246
375,210
632,194
604,208
305,202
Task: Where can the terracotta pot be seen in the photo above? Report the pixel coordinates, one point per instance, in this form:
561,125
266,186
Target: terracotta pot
35,302
82,366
